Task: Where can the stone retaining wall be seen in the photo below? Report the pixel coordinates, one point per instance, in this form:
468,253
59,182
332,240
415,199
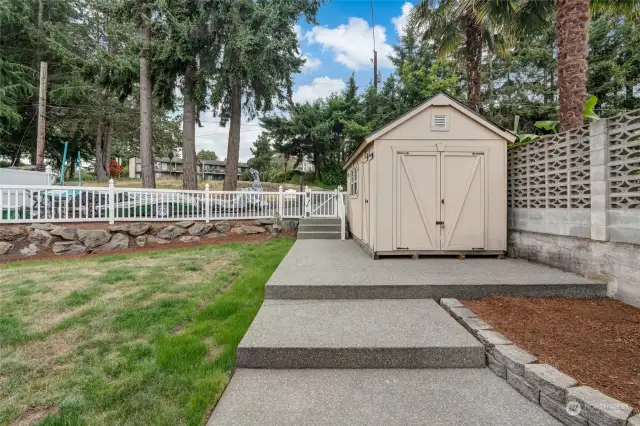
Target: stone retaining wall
616,263
25,241
558,394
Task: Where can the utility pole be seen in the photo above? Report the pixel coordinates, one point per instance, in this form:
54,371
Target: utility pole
375,53
42,109
375,70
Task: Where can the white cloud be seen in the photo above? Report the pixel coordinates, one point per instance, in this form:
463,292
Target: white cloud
298,30
353,43
214,138
400,22
311,64
319,88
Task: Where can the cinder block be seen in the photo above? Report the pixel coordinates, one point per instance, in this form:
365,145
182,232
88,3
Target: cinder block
559,411
598,172
624,235
600,233
599,202
616,217
598,218
598,157
520,384
580,216
599,408
549,380
557,215
513,358
581,231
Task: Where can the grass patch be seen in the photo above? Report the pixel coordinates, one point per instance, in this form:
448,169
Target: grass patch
136,338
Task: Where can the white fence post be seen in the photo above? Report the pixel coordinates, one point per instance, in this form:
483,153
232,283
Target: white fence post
207,203
341,213
281,202
307,202
49,172
111,201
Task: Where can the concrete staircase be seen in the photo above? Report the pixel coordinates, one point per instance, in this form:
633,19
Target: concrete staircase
319,229
353,361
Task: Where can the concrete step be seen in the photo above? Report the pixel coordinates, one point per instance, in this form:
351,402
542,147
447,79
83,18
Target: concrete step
319,221
455,397
357,334
318,235
319,228
330,269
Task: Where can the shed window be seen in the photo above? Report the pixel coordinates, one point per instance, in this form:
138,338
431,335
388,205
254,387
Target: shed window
353,181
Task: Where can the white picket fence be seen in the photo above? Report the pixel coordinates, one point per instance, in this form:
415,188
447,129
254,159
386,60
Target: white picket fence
46,203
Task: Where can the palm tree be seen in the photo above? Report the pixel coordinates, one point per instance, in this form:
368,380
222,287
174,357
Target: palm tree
572,36
468,23
572,31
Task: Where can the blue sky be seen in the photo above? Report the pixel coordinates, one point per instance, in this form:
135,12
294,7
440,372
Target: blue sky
339,44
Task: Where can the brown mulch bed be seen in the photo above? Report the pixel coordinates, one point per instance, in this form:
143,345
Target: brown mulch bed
47,254
596,341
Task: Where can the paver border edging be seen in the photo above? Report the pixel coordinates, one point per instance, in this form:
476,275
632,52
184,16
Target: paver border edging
557,393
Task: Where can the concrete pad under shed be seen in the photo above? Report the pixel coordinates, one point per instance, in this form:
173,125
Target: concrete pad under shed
357,334
320,269
457,397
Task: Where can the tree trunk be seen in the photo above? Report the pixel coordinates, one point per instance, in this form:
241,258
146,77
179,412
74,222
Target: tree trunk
189,162
572,20
474,58
146,106
233,147
99,168
107,143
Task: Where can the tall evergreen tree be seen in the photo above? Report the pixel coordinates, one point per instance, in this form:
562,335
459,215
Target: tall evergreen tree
260,54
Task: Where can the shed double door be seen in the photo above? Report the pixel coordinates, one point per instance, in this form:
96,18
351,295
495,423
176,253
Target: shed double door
440,201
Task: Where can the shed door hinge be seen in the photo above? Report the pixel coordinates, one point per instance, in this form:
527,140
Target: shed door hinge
403,152
477,153
402,248
477,248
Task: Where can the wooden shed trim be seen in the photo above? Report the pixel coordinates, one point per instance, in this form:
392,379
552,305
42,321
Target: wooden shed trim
441,99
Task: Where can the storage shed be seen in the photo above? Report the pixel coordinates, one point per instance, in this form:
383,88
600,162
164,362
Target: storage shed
434,181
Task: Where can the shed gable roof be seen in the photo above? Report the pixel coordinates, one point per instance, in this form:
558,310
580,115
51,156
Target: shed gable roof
441,99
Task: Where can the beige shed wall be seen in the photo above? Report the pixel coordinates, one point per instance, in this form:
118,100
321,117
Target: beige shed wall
354,203
464,134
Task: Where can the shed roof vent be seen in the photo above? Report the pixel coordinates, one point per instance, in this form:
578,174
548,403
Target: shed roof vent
440,122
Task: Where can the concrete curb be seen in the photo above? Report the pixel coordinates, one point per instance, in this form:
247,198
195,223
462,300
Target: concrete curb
557,393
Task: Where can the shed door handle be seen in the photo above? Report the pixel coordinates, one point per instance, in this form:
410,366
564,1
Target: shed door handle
439,222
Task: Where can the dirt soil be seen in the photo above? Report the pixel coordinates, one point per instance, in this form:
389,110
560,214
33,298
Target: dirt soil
47,254
595,341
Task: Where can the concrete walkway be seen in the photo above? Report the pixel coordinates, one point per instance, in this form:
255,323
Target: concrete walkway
375,360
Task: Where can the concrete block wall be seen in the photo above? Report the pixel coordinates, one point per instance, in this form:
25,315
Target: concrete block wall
570,222
616,263
592,226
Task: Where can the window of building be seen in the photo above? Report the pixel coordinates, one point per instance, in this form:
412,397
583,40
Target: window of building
353,181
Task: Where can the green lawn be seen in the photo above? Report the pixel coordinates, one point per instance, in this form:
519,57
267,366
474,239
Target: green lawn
145,338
